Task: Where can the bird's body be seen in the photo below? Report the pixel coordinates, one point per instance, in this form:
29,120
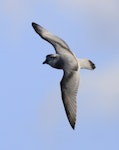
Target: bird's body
64,59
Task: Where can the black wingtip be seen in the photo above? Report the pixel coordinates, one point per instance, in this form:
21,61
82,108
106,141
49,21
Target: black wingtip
34,25
72,125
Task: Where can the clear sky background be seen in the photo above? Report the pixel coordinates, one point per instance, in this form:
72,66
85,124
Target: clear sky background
32,115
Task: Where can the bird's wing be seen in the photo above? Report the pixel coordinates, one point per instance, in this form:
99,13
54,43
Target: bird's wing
69,87
57,43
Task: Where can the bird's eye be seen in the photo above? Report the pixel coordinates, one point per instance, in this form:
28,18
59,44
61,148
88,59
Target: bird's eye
52,57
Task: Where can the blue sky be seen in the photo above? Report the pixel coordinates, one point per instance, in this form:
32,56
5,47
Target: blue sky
31,110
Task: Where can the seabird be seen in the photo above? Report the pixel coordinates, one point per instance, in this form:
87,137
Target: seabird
64,59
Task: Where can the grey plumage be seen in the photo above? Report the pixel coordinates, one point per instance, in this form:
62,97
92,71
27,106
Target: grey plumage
64,59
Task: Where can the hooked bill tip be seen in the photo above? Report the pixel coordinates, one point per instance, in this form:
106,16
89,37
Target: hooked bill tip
44,62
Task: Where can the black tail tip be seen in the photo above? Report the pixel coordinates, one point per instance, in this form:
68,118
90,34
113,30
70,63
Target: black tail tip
92,64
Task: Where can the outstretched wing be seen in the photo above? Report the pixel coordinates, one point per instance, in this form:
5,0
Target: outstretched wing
57,43
69,87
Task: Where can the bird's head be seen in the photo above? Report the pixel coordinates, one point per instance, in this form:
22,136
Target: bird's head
51,60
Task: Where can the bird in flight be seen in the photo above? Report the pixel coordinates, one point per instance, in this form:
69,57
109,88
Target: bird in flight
64,59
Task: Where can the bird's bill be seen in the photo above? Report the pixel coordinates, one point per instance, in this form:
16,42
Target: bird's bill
45,62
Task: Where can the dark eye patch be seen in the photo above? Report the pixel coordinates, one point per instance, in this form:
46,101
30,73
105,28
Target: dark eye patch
51,56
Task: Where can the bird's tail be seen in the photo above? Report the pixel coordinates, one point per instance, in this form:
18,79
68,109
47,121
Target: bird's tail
86,64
